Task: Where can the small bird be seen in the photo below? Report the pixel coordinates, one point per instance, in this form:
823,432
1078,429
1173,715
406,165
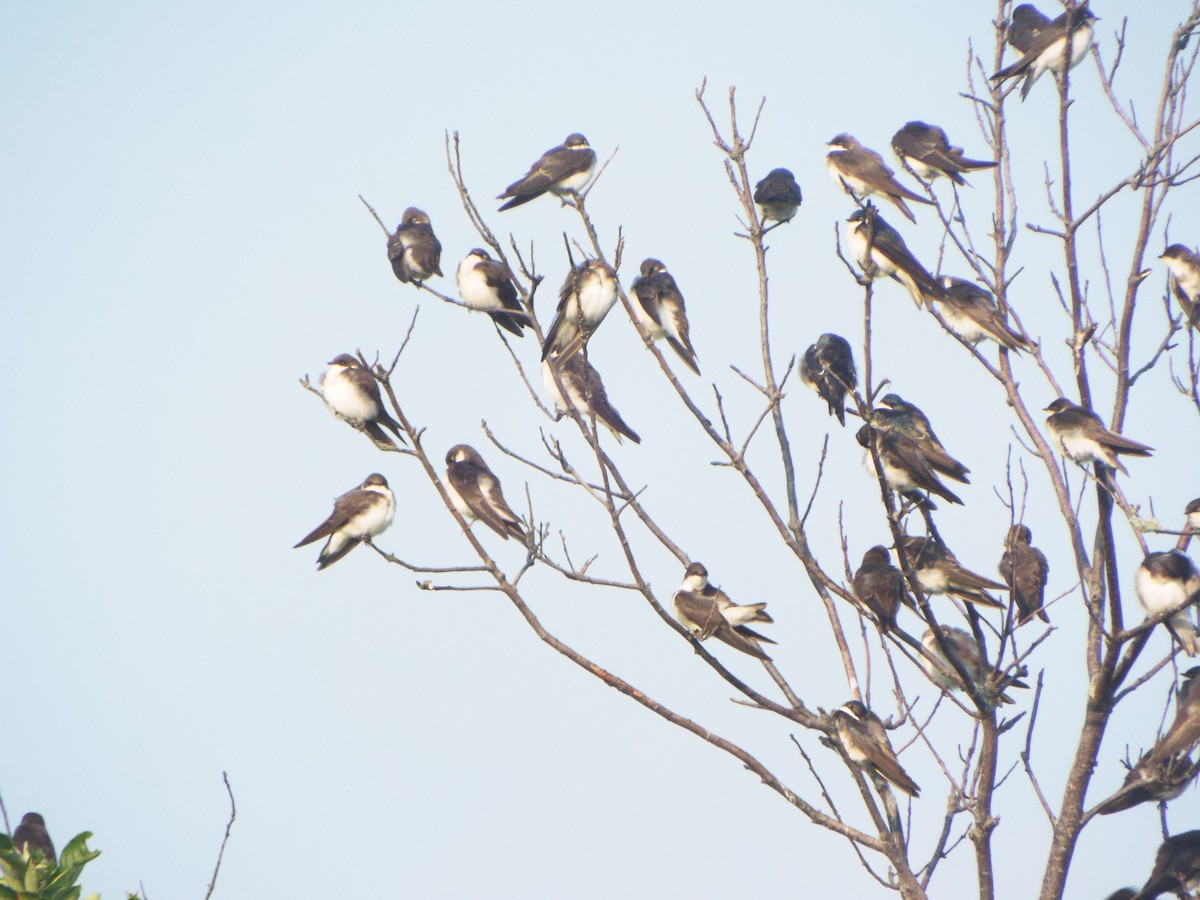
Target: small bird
486,285
1166,581
1025,570
890,256
971,313
358,515
706,611
413,249
585,299
1184,266
1176,867
32,837
778,196
586,392
565,169
942,672
907,419
879,586
1081,435
1193,515
1049,49
939,572
904,466
828,368
351,393
866,742
475,492
1024,27
927,151
660,310
862,172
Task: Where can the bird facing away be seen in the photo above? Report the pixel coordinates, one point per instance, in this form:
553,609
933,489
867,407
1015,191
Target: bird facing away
585,299
939,572
907,419
778,196
1059,43
1025,570
862,172
1176,867
904,466
1081,435
1166,581
927,151
660,309
565,169
1024,27
413,249
486,285
350,392
586,393
358,515
971,313
942,672
32,837
475,492
1184,266
879,586
706,611
828,368
865,741
890,256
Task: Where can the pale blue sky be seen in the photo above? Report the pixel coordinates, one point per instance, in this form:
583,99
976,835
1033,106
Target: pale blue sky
182,241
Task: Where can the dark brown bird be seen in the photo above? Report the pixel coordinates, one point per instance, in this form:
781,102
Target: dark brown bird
1176,867
828,368
562,170
1166,581
413,249
904,466
586,393
1024,27
866,743
907,419
879,586
1081,435
927,151
862,172
1025,570
971,313
778,196
706,611
475,492
939,572
660,309
32,837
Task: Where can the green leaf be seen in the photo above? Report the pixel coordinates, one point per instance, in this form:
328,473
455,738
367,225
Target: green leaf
76,852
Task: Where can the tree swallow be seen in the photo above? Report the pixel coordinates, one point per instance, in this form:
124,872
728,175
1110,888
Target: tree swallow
879,586
486,285
828,368
586,391
1166,581
1025,570
971,313
1081,435
1176,867
865,741
476,494
905,418
585,299
561,170
414,251
351,393
32,837
360,514
1184,266
1024,27
927,151
891,256
706,611
660,310
939,572
1049,50
862,172
904,466
777,196
942,672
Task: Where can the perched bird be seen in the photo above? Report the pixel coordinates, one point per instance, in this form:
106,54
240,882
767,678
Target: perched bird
904,466
586,393
942,672
1176,867
927,151
486,285
862,172
879,586
1081,435
1166,581
358,515
1025,570
828,368
706,611
1167,769
866,742
890,256
351,393
475,492
907,419
32,837
660,309
1024,27
778,196
971,313
585,299
415,252
561,170
1050,50
939,572
1184,266
1193,515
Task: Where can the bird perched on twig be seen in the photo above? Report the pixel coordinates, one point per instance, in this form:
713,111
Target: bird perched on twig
927,151
905,418
413,249
475,492
1184,266
890,256
351,393
562,170
585,299
486,285
1176,867
32,837
1058,44
942,673
660,310
879,586
777,196
828,368
971,313
1025,570
939,572
358,515
862,172
1081,435
865,741
706,611
586,393
1166,581
905,468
